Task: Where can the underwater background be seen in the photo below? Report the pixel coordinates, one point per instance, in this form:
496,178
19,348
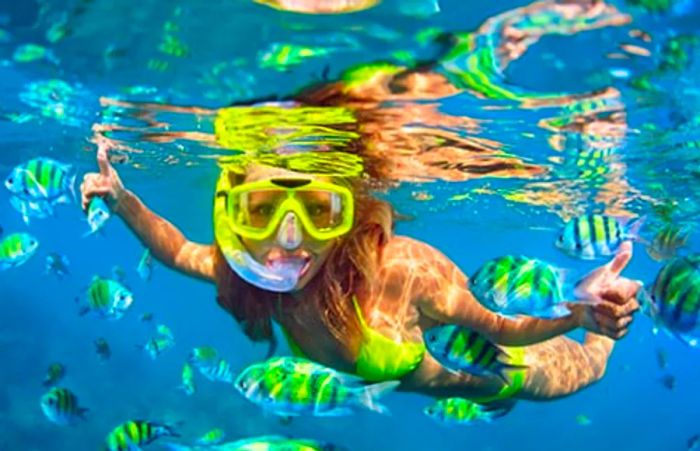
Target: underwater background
621,136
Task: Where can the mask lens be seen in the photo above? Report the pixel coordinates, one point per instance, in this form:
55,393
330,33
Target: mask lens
255,209
323,208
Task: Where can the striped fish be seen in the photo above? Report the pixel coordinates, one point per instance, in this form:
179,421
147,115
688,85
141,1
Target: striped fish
461,349
673,301
131,435
187,379
290,386
107,298
262,443
513,285
220,372
61,406
54,374
460,411
667,241
16,249
594,236
97,215
155,346
42,179
203,356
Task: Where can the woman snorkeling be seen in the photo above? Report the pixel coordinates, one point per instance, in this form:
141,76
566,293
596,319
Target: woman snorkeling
316,254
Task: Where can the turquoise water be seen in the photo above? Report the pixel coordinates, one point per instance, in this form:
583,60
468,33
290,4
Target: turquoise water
486,170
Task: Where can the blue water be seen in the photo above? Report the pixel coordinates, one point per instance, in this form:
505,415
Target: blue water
111,48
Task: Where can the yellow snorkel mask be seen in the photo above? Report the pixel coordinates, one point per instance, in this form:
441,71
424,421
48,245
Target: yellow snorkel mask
282,206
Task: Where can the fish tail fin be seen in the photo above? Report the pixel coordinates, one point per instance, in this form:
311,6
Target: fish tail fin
505,370
71,186
83,311
166,430
494,411
367,396
633,228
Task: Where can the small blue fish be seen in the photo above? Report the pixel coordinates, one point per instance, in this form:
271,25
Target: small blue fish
57,265
97,215
16,249
594,236
145,267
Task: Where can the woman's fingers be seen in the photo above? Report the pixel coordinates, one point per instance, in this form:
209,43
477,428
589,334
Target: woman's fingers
103,161
622,258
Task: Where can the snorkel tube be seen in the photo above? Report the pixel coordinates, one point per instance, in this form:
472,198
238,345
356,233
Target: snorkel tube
281,277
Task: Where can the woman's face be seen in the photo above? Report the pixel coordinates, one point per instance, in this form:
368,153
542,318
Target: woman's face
313,252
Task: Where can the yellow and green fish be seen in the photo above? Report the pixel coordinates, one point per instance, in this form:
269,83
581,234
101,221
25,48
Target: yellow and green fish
16,249
667,241
593,236
131,435
513,285
213,437
263,443
55,373
187,379
461,349
673,300
61,406
291,386
460,411
107,298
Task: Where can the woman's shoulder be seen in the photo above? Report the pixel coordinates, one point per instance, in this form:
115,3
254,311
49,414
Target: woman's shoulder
415,256
405,246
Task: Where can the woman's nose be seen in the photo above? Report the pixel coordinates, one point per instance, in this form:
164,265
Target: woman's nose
289,234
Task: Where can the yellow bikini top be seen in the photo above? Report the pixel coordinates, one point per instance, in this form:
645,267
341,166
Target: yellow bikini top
380,358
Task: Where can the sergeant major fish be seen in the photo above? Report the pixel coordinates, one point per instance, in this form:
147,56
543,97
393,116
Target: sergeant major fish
594,236
131,435
460,349
61,406
107,298
16,249
460,411
513,285
292,386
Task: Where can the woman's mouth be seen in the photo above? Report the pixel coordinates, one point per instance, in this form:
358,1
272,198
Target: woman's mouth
297,263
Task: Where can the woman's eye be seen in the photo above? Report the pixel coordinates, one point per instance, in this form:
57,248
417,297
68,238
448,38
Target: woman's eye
264,209
315,210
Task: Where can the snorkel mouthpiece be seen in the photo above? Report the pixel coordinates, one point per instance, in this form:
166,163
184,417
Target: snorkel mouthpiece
281,276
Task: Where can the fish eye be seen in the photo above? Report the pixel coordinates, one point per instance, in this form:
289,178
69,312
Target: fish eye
242,385
432,338
10,181
32,242
51,401
26,190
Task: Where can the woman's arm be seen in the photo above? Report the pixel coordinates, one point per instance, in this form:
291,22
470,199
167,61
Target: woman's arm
165,241
556,368
444,297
